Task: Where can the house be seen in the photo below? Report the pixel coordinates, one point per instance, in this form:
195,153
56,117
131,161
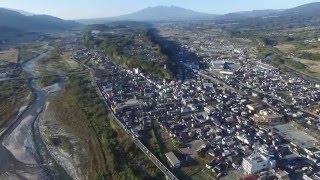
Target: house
282,175
208,109
255,107
211,153
173,160
268,117
136,70
315,176
3,75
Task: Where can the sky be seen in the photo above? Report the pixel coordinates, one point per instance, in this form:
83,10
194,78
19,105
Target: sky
83,9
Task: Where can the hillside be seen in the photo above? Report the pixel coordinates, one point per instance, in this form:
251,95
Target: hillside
158,13
301,16
163,13
16,20
249,14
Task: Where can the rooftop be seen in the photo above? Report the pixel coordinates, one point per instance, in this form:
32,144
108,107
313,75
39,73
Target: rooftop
296,136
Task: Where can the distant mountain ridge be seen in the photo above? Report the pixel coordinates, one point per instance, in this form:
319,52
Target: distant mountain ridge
158,13
249,14
16,20
162,13
304,15
301,16
21,12
174,13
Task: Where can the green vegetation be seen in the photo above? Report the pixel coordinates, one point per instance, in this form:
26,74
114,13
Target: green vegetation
110,152
28,51
13,95
118,46
59,60
154,142
26,55
53,59
283,63
263,52
56,60
13,35
45,81
295,64
310,56
9,55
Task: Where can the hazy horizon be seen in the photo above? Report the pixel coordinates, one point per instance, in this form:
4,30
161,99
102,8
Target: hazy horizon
82,9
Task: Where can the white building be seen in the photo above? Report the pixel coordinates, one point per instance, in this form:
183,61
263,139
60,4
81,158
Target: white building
257,162
136,70
3,75
173,160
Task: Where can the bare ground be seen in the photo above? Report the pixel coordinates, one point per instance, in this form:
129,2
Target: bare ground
50,129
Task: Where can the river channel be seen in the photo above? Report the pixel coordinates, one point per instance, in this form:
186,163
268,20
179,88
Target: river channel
23,154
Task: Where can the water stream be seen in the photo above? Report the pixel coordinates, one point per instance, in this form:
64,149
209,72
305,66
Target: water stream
23,154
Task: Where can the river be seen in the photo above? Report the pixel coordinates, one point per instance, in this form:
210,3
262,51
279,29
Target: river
23,154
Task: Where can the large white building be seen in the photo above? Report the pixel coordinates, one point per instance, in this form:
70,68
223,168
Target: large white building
257,162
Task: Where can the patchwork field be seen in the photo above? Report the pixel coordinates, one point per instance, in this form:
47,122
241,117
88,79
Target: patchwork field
9,55
286,48
313,50
312,65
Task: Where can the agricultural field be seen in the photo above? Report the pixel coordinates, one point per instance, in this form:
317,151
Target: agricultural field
286,48
10,55
313,66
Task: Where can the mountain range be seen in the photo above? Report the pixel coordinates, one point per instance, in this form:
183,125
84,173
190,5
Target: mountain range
308,14
21,20
158,13
174,13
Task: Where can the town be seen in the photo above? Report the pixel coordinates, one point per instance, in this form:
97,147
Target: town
160,90
250,118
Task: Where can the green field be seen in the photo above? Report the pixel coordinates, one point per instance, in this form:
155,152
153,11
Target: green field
13,95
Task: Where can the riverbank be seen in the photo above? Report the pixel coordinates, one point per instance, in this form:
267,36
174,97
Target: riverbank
50,131
22,153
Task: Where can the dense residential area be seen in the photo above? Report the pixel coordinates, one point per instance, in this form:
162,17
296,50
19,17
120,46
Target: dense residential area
239,116
162,93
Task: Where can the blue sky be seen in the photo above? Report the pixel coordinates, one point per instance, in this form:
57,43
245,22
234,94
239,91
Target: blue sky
77,9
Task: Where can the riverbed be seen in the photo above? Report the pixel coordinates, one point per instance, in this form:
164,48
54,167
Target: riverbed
23,155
